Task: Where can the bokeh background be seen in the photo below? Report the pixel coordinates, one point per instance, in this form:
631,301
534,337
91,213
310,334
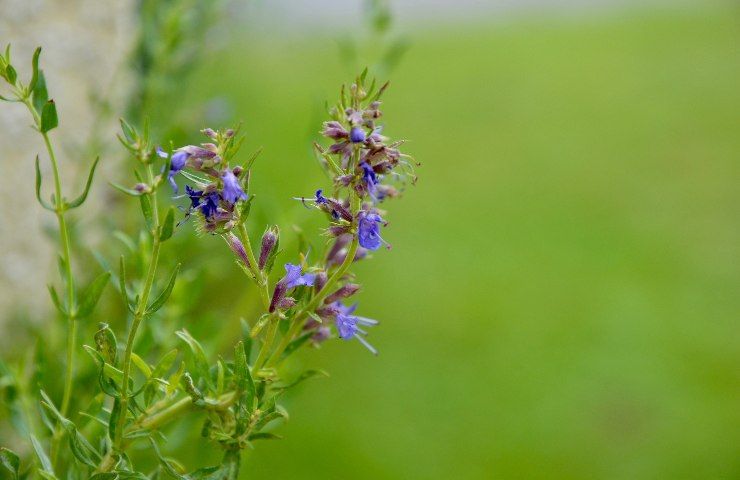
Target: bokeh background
562,295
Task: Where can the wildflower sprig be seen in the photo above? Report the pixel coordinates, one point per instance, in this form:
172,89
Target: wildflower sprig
305,302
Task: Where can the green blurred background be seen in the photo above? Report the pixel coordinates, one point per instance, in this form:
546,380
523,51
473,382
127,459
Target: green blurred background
561,299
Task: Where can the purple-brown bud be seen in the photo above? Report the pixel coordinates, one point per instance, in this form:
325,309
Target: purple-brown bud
278,296
320,281
237,247
343,292
269,240
209,132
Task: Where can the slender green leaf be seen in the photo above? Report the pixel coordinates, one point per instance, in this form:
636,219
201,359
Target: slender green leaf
43,458
57,302
146,209
168,225
122,282
127,191
49,118
198,355
10,460
265,436
38,188
165,294
106,344
141,365
11,74
91,295
244,380
83,196
40,94
296,344
115,415
302,377
170,466
34,70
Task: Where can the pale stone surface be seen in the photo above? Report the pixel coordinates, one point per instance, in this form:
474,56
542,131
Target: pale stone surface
84,45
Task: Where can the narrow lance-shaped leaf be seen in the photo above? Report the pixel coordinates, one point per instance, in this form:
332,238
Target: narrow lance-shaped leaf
168,225
199,356
244,380
127,191
170,466
38,187
146,209
122,282
42,456
34,70
40,94
128,130
49,118
91,295
115,414
83,196
157,376
78,444
106,344
57,302
11,74
162,298
141,365
10,460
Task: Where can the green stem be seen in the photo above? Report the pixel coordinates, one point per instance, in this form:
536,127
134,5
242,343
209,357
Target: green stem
259,275
262,283
139,315
60,210
266,345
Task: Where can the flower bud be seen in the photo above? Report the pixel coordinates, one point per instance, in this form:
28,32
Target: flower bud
285,303
209,132
357,135
320,281
278,296
322,334
142,188
269,240
343,292
237,247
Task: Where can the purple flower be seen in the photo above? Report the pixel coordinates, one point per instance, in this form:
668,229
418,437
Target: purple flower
369,178
194,195
357,135
209,204
320,198
294,278
177,163
348,325
369,230
329,205
334,130
232,191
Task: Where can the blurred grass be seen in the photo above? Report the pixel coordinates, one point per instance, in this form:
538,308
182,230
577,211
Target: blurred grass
561,299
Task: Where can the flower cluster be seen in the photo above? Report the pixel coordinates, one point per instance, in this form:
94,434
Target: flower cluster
217,189
366,168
